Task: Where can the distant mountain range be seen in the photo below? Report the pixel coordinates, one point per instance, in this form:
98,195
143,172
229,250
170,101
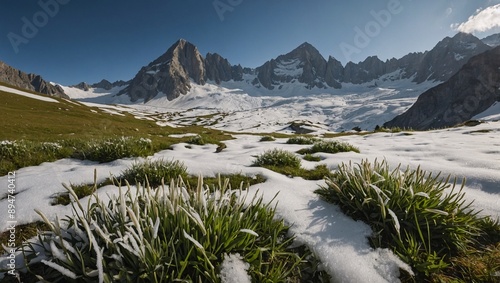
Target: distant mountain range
173,74
472,90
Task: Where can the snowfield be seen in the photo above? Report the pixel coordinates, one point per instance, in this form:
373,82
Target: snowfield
339,241
253,109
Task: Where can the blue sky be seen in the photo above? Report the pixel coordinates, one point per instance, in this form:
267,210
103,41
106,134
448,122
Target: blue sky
69,41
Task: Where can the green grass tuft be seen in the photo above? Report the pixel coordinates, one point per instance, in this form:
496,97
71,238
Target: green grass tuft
154,172
267,138
312,158
301,140
170,234
114,148
329,147
423,218
287,163
279,158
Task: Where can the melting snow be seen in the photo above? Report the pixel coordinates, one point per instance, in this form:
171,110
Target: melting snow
338,241
27,94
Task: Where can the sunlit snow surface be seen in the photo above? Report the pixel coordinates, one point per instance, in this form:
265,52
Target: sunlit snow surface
28,94
241,106
339,241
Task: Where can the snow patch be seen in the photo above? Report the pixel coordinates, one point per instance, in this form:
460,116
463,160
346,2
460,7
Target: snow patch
234,270
290,68
27,94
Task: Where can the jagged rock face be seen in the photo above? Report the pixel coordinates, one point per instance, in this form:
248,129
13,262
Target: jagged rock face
104,84
217,68
334,73
448,56
365,71
83,86
31,82
304,64
170,74
107,85
469,92
408,64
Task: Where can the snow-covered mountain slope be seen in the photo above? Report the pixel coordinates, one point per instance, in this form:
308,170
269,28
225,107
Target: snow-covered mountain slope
92,93
241,106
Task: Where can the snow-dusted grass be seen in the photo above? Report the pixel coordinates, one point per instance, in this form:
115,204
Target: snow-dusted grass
339,242
22,153
279,158
409,211
153,172
114,148
167,234
329,147
301,140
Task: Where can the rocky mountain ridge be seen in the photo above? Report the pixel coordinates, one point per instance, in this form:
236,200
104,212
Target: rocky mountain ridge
172,73
472,90
103,84
33,82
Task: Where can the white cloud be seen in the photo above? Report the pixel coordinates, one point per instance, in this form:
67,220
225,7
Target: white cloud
482,21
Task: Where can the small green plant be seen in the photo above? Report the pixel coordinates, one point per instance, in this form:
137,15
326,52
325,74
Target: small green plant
235,181
197,140
394,130
329,147
113,148
267,138
422,217
279,158
24,233
81,191
312,158
154,172
167,235
301,140
22,153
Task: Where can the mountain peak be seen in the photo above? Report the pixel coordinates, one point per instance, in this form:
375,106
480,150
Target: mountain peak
169,74
492,40
305,48
306,45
